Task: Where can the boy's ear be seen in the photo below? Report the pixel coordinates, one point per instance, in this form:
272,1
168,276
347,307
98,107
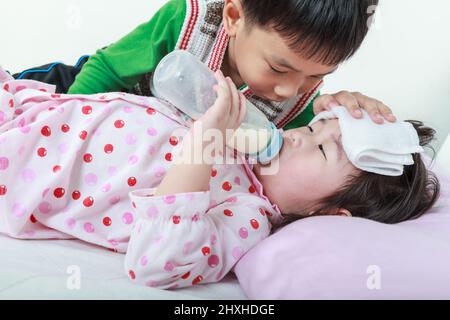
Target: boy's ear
233,14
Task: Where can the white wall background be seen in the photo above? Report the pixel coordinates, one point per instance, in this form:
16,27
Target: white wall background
405,61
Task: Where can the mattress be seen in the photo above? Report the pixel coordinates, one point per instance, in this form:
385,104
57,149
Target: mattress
72,269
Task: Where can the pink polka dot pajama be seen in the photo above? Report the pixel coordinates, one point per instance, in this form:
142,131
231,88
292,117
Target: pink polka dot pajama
86,167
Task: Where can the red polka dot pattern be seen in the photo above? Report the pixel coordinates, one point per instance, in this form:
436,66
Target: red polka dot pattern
81,160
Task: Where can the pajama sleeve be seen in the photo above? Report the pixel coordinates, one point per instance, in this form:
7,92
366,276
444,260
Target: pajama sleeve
177,242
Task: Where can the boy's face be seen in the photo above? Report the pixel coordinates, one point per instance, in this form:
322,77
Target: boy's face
312,165
264,61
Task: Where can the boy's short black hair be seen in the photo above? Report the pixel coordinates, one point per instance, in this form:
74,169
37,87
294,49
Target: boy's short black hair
328,31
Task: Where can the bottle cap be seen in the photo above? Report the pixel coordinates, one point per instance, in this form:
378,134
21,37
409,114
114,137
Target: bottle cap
273,148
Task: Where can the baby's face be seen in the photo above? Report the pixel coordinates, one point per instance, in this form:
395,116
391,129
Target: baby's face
312,165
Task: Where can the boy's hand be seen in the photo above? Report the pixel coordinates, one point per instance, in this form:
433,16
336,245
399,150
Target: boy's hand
229,109
353,101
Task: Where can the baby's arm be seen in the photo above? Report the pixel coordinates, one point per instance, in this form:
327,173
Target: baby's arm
191,173
186,175
177,242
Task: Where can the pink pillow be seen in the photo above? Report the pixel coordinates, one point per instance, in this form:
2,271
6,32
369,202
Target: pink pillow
352,258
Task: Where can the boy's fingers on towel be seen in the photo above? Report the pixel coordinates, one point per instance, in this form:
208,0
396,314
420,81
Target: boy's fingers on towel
324,103
353,102
375,108
343,98
350,102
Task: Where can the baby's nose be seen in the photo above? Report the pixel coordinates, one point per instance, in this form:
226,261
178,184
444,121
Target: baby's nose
296,139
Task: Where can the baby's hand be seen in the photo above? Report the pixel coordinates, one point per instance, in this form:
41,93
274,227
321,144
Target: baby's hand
229,109
353,101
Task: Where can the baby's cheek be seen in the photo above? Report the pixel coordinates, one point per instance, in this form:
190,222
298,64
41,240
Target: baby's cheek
312,183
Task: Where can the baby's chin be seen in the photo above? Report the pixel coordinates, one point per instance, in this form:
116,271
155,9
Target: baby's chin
258,168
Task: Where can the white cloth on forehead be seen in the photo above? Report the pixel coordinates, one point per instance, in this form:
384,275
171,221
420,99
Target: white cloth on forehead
383,149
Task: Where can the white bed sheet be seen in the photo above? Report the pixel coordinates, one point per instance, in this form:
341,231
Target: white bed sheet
38,269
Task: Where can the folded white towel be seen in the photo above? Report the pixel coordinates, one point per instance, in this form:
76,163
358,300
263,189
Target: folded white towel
383,149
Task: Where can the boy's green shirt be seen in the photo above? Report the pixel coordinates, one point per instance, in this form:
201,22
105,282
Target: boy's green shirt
121,65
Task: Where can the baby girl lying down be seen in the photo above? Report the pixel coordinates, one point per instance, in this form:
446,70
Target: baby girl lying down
101,168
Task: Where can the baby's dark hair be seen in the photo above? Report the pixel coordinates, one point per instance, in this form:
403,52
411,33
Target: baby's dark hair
387,199
328,31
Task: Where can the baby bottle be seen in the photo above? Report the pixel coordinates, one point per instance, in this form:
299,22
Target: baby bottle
184,81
